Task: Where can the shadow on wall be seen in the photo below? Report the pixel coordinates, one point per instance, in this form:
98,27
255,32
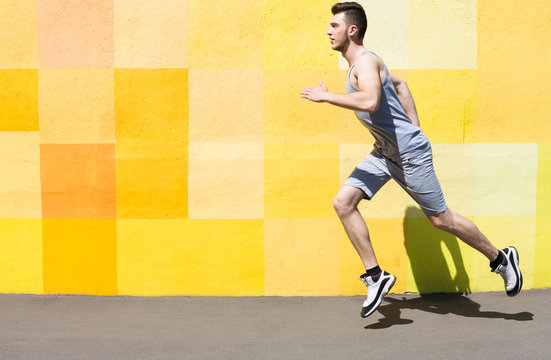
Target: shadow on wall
425,246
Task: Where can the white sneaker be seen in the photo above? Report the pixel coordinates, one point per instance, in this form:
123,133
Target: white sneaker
510,271
376,290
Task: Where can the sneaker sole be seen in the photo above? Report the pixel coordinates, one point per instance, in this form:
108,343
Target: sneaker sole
513,258
385,289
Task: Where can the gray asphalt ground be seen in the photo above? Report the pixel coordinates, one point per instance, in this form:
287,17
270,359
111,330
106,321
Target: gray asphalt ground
477,326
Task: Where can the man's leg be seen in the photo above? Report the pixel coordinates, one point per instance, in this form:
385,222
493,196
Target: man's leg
504,262
465,230
378,282
346,205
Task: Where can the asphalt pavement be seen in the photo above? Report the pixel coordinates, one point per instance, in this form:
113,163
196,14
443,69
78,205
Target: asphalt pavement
476,326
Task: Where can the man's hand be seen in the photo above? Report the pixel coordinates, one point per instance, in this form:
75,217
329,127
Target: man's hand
315,93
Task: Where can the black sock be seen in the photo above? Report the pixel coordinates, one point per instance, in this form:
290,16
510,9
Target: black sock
373,271
498,261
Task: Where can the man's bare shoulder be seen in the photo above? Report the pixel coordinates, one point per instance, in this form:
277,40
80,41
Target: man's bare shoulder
367,62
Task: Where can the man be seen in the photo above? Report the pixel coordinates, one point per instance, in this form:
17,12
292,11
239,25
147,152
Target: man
384,104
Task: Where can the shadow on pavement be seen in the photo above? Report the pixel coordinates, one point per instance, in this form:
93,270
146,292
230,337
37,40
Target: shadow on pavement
443,304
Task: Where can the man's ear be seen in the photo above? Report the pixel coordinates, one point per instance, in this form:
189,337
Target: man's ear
352,30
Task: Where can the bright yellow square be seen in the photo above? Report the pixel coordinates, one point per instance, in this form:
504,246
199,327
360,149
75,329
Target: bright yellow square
80,256
20,175
151,112
542,276
152,188
506,179
290,118
232,30
438,261
389,202
302,257
300,180
226,106
284,49
454,165
191,257
21,256
445,101
442,35
226,181
18,99
387,237
151,34
18,34
503,231
513,89
76,106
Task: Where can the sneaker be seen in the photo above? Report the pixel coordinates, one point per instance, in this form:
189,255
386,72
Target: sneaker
510,271
376,290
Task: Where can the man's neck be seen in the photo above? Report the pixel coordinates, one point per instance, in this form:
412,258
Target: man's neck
351,52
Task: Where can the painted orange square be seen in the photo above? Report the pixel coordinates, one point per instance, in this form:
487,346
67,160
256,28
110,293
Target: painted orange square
78,181
75,34
80,256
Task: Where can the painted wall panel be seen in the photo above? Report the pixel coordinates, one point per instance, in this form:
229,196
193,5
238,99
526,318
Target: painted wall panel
76,106
150,34
18,34
20,180
233,31
75,34
442,34
226,106
19,100
226,181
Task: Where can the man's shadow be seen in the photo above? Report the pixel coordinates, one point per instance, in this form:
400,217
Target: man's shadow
441,290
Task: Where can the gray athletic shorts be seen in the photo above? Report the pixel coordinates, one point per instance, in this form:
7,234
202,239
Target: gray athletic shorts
415,175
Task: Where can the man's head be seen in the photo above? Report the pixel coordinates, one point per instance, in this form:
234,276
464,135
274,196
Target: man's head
352,16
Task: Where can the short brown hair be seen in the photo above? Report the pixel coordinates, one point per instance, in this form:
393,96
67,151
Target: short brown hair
354,14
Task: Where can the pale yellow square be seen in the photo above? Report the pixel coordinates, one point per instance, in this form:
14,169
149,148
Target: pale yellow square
225,34
387,35
20,175
300,180
151,34
390,201
18,34
290,118
190,257
226,181
226,106
442,34
504,231
76,106
506,179
513,87
454,165
302,257
284,48
445,101
21,256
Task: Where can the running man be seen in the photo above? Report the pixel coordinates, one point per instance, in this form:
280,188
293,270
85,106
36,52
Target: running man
383,103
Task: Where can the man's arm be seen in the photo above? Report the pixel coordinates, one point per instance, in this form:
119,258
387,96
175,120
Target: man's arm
406,99
369,83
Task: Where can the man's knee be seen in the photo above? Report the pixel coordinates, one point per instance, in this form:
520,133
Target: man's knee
345,202
444,221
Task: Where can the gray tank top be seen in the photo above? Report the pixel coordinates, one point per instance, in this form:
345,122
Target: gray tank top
390,126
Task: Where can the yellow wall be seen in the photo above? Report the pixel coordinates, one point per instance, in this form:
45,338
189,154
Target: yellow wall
161,148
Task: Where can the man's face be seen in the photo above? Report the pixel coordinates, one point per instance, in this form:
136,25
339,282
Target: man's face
338,32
